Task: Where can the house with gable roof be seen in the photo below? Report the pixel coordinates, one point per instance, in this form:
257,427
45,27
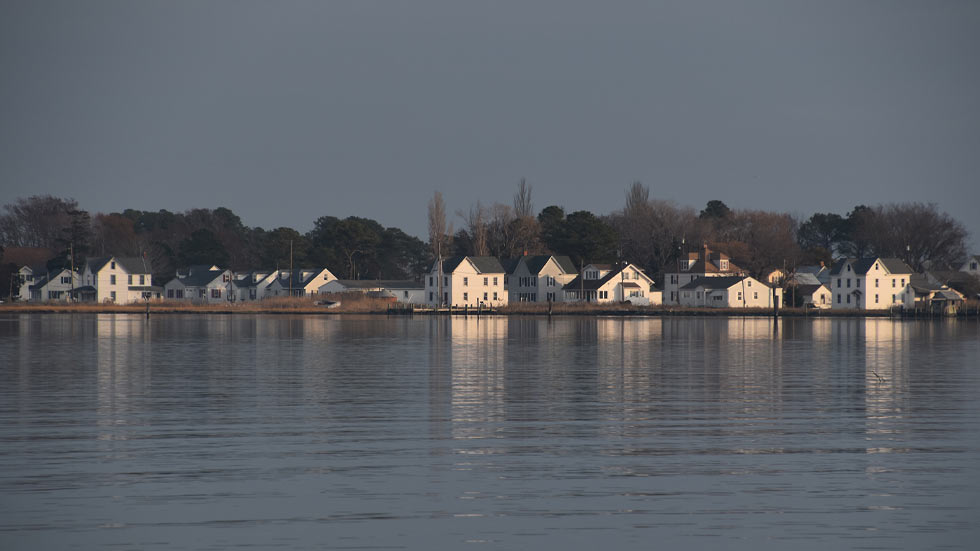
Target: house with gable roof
871,283
972,266
703,263
304,282
55,285
729,292
117,279
202,284
466,281
539,278
251,286
603,283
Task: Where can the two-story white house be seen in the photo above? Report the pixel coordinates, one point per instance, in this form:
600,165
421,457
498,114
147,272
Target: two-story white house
55,286
871,284
251,286
466,281
539,278
303,282
117,279
603,283
692,266
201,284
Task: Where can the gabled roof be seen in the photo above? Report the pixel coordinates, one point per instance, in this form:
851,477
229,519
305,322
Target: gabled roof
509,264
483,264
537,263
132,264
716,282
862,265
297,278
593,284
200,277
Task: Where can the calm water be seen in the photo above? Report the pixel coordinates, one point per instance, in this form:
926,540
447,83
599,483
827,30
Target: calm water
201,432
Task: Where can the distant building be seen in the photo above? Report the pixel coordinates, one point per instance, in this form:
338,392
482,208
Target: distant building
704,263
729,292
303,282
403,291
871,283
539,278
206,284
117,279
603,283
466,281
55,285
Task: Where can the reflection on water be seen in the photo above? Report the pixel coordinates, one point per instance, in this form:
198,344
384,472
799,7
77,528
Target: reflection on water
434,432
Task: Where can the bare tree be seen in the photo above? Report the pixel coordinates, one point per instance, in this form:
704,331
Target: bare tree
524,230
437,225
476,228
523,206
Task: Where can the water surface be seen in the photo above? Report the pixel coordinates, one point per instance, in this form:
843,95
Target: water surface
299,432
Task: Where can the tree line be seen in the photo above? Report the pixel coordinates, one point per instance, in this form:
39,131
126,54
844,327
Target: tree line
652,233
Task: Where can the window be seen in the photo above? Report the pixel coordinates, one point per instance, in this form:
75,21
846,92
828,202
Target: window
445,280
404,294
200,293
848,283
445,298
903,282
876,299
495,295
112,265
495,281
484,296
838,283
170,293
749,282
112,279
893,299
838,295
973,265
180,293
848,299
112,295
215,293
740,295
66,280
893,283
755,295
430,292
876,282
466,281
724,264
466,296
486,281
430,285
129,279
143,279
857,283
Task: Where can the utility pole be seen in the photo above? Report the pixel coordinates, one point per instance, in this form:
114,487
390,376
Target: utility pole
290,267
71,253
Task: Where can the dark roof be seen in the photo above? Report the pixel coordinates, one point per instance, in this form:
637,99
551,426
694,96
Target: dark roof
537,263
297,277
132,264
483,264
509,264
921,283
145,288
200,278
716,282
593,284
862,265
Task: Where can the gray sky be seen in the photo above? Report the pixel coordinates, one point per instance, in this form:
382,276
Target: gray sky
286,111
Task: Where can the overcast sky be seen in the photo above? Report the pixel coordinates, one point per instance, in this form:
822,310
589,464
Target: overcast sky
286,111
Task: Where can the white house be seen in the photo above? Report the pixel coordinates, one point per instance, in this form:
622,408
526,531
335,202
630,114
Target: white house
871,283
251,286
300,283
697,265
729,292
539,278
466,281
603,283
116,279
202,284
813,295
54,286
404,291
28,276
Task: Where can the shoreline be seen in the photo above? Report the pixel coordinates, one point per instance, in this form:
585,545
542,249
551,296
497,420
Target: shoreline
306,308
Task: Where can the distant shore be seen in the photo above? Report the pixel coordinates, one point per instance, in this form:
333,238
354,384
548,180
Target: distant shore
302,306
